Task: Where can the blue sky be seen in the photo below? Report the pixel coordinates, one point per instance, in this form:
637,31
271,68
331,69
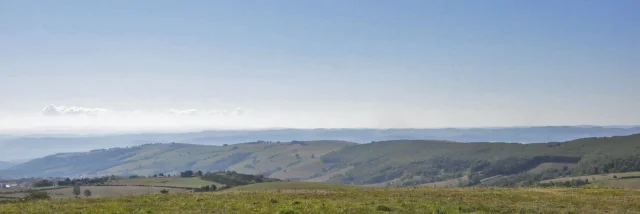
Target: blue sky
128,65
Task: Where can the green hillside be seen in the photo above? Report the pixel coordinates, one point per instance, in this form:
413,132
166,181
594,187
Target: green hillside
388,163
278,158
413,162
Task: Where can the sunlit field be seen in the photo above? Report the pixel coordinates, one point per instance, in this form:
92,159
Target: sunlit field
353,200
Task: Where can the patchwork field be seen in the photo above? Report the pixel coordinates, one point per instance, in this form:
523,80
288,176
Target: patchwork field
193,182
597,178
354,200
292,185
101,191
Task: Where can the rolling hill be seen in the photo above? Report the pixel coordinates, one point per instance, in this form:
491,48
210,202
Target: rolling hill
6,165
284,160
396,163
414,162
36,146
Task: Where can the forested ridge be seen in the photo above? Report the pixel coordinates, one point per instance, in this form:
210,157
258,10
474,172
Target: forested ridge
413,162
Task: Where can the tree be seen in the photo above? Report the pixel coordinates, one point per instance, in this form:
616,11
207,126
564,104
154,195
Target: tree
87,193
43,183
65,182
199,173
213,187
186,174
76,190
297,156
161,174
313,155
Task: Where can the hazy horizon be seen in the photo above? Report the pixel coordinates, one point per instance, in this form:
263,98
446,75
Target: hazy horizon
113,67
60,132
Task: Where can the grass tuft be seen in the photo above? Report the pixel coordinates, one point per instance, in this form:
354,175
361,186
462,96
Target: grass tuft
382,207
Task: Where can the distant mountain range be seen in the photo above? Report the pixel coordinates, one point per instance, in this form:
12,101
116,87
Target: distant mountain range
34,146
6,165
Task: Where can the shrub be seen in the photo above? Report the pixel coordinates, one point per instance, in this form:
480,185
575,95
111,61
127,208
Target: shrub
37,195
382,207
43,183
287,212
164,191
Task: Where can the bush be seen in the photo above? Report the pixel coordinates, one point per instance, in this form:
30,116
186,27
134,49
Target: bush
43,183
164,191
382,207
34,196
287,212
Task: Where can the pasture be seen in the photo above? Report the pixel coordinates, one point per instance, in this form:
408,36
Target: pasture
354,200
101,191
191,182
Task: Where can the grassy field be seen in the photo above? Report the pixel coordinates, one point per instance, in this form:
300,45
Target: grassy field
192,182
448,183
546,166
354,200
292,185
592,178
102,191
622,183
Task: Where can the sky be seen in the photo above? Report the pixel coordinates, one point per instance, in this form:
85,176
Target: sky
120,65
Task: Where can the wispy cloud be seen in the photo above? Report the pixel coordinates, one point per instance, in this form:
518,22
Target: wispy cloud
183,112
53,110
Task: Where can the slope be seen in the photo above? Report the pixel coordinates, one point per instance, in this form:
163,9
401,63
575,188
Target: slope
252,158
413,162
6,165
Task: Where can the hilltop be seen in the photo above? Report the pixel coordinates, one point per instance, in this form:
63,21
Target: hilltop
36,146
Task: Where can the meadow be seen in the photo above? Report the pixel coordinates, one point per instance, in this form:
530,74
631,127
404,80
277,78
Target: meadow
621,180
192,182
101,191
326,199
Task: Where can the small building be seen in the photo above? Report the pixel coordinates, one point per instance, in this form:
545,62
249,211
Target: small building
5,186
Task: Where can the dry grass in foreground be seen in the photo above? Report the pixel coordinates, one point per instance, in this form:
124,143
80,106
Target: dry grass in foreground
356,200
